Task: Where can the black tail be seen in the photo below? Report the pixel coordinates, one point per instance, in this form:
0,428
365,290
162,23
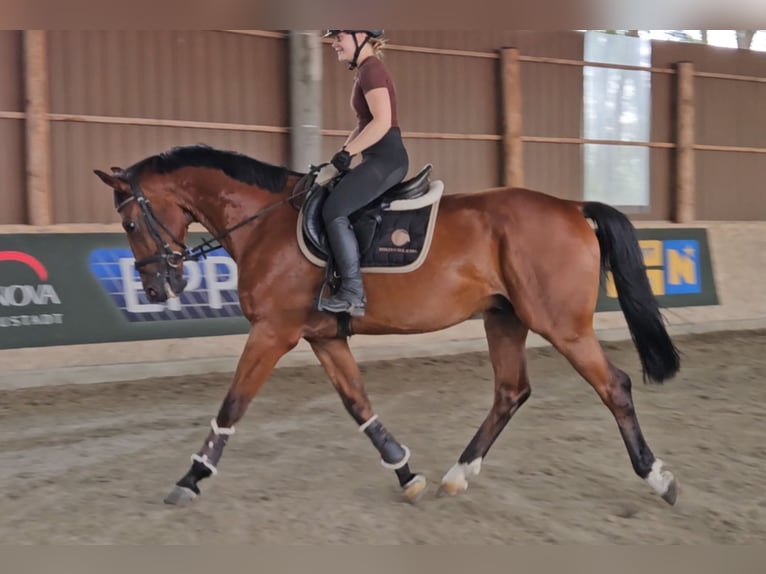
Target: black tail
621,254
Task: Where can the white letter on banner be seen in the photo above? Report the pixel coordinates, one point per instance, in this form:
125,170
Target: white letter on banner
214,287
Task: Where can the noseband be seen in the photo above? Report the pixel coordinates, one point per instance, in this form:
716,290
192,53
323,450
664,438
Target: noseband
165,252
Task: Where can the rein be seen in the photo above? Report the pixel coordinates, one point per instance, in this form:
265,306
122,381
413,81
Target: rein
173,258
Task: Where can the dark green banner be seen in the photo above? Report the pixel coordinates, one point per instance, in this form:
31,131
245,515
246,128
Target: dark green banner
60,289
679,267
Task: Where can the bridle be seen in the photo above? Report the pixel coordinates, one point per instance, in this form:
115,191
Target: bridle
174,257
165,252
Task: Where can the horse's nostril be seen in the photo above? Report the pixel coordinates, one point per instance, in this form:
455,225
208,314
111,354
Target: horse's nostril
152,292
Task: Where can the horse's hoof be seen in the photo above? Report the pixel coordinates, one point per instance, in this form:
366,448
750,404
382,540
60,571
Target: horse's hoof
413,491
663,482
180,496
452,488
672,493
456,479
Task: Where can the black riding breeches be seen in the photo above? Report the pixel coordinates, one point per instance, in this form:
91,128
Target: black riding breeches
383,165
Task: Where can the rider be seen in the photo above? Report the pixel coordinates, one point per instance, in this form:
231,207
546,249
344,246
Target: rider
384,159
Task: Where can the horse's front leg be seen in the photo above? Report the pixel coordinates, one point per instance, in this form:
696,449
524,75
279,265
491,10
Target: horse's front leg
265,345
343,370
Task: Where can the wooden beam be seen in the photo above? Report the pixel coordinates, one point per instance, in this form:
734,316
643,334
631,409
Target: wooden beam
260,33
729,148
38,148
126,121
734,77
513,161
441,51
583,63
685,193
579,141
426,135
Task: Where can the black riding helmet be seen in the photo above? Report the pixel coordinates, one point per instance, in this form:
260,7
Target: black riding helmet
369,34
373,33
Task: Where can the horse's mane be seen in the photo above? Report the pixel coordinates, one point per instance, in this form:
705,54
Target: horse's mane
234,164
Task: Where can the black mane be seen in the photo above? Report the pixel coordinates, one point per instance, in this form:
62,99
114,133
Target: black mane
236,165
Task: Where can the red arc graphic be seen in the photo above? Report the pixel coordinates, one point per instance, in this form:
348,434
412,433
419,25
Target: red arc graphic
26,259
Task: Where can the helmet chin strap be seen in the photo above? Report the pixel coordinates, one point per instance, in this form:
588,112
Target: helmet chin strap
353,64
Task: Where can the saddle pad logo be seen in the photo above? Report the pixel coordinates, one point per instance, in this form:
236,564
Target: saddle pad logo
400,237
211,291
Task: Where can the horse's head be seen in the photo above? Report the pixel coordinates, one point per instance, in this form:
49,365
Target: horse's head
156,226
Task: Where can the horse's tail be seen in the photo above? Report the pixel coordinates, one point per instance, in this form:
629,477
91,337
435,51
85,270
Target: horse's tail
621,254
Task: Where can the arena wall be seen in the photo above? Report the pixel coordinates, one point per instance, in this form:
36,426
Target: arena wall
737,255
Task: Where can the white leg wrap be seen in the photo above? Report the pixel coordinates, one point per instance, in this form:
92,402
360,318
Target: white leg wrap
372,419
461,472
218,430
659,479
400,464
203,459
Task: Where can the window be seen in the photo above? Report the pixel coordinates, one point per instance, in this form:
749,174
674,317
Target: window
616,106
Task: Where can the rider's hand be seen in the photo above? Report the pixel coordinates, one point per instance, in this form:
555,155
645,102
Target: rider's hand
326,174
341,160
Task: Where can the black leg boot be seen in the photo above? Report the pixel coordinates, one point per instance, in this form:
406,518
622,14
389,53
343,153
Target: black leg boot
345,250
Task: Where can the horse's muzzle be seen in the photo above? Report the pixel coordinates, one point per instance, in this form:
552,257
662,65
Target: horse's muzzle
165,287
175,284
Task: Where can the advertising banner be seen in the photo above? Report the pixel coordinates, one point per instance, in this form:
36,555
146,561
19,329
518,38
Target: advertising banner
63,289
60,289
679,268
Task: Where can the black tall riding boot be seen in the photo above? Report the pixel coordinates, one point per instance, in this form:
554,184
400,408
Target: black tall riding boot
345,250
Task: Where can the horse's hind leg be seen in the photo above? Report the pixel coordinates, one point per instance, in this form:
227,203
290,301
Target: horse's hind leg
506,337
613,386
343,370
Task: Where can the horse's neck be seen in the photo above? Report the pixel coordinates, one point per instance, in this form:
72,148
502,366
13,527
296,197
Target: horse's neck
222,205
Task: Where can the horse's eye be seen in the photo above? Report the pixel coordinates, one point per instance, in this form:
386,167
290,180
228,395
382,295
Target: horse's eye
129,226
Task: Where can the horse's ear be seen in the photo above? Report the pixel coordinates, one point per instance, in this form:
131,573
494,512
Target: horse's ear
114,181
116,169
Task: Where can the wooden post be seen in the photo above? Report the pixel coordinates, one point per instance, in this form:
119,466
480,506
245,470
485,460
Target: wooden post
513,161
685,192
38,150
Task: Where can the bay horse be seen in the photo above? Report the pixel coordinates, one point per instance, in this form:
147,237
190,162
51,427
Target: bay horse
522,259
